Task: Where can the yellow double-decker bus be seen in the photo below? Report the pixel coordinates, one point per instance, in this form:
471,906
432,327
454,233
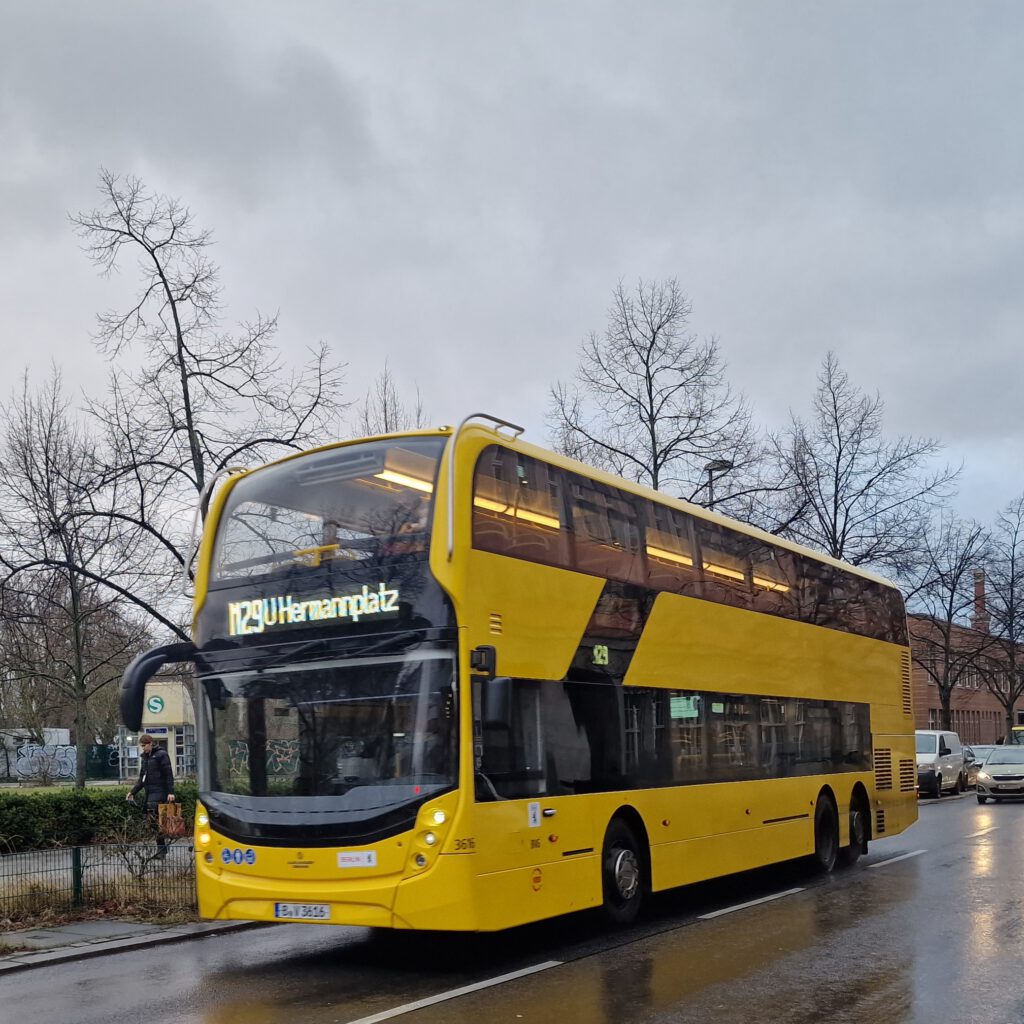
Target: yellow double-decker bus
449,680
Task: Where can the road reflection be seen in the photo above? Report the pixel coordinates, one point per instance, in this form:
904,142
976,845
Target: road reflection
764,964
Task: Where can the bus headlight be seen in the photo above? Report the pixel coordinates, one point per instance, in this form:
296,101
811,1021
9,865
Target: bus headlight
202,821
204,838
429,838
439,817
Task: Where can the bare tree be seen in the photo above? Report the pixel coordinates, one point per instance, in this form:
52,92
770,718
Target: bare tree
201,398
1005,584
845,489
59,564
650,400
383,411
946,640
27,707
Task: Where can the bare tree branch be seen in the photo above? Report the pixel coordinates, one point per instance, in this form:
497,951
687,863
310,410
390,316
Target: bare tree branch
846,489
651,401
200,397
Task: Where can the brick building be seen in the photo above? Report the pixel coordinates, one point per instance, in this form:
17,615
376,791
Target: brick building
978,716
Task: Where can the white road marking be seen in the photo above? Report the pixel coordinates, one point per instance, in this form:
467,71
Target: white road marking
892,860
455,993
752,903
983,832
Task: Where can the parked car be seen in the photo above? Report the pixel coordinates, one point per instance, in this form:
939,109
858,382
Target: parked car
940,761
1002,774
974,758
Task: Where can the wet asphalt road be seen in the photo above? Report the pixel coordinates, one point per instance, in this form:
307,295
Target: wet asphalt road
937,936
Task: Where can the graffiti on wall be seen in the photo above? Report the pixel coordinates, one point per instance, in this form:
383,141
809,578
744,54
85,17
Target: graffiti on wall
50,761
282,757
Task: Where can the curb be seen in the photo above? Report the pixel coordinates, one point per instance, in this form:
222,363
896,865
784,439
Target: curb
87,950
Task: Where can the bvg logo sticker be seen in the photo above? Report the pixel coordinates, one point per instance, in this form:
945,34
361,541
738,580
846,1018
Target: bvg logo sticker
238,857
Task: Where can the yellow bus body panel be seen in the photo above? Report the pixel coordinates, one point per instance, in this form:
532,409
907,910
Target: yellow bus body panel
493,867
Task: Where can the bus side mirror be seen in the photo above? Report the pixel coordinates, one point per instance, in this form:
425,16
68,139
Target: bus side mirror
498,702
140,671
484,660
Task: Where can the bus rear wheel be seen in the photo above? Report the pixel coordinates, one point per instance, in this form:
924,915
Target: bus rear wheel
622,873
826,834
849,855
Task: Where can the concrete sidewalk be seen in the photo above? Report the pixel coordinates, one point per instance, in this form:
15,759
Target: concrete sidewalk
81,939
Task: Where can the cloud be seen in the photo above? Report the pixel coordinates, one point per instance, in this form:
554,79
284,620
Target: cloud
459,186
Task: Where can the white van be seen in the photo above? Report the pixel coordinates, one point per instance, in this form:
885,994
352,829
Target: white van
940,762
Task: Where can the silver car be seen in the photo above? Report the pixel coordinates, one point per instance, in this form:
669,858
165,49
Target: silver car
974,758
1002,774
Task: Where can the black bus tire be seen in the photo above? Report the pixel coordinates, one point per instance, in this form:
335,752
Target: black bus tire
623,873
849,855
826,834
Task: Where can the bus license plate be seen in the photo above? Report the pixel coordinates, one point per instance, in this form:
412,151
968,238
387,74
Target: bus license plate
303,911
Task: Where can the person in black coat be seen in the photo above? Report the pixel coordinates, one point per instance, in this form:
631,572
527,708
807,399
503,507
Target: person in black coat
157,779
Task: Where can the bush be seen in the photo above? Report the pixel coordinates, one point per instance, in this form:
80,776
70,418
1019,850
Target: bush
72,817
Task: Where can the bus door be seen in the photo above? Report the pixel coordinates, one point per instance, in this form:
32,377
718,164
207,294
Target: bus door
526,771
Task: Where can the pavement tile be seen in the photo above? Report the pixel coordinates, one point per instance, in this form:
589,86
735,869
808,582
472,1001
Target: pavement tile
44,938
107,929
60,944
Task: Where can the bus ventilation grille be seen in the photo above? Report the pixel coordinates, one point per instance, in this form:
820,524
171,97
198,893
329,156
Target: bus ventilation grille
883,769
908,776
879,822
908,708
496,623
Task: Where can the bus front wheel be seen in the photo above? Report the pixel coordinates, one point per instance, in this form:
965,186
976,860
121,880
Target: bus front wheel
622,873
826,834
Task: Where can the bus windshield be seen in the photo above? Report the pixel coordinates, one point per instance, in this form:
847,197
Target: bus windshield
326,729
351,505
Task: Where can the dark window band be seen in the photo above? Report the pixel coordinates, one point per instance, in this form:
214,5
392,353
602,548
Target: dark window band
587,735
529,509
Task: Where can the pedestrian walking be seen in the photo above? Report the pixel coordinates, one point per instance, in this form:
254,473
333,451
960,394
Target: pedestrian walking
157,779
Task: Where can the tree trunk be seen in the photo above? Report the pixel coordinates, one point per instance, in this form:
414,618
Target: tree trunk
81,740
945,715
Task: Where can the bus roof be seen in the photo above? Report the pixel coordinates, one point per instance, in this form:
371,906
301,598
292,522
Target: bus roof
697,511
565,462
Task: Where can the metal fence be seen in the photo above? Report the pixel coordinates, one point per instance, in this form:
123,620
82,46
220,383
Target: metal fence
127,874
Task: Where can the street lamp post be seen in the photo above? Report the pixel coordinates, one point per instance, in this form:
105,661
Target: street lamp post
716,466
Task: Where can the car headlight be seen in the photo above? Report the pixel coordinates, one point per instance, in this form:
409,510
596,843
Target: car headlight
984,776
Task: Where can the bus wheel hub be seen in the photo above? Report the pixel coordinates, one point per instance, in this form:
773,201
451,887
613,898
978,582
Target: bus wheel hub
627,874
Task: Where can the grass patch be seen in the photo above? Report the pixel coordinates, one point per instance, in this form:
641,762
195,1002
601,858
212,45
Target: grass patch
108,910
7,948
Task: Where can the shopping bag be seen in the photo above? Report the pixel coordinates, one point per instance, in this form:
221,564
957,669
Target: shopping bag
171,822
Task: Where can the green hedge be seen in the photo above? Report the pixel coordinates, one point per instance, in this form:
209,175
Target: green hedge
72,817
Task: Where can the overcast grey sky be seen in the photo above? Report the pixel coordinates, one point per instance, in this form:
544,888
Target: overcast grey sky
458,187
